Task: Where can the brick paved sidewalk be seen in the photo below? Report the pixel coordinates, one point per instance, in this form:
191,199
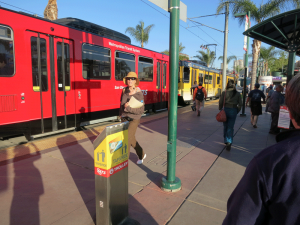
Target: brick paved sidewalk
55,185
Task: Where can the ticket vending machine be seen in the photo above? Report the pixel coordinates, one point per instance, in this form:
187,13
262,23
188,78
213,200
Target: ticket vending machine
111,152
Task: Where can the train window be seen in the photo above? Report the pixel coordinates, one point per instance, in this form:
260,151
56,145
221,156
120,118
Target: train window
158,75
66,66
206,79
124,63
200,78
165,75
7,65
96,62
145,69
210,79
218,80
43,63
186,75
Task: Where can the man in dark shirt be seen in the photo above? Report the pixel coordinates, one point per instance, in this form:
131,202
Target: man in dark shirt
275,101
256,108
269,191
269,94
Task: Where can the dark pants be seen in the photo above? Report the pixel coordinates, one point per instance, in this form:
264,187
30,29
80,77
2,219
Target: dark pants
229,124
131,137
274,123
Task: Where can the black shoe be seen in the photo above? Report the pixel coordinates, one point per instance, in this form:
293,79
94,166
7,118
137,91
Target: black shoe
198,114
254,126
228,146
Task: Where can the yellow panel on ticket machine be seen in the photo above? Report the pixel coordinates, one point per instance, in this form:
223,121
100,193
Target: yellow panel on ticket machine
111,152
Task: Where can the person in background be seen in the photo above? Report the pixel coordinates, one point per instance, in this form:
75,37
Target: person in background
256,108
284,88
269,94
233,104
192,93
199,96
133,115
4,68
268,193
276,100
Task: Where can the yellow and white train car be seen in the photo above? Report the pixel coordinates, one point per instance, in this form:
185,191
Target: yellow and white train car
190,72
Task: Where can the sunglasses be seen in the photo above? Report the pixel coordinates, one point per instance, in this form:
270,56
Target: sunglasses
131,78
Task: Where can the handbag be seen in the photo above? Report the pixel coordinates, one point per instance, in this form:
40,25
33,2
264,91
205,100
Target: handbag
221,116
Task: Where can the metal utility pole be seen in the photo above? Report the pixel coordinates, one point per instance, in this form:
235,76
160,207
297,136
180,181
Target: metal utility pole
246,69
291,66
171,183
225,46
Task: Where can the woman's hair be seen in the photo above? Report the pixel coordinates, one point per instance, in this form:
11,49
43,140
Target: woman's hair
231,84
292,97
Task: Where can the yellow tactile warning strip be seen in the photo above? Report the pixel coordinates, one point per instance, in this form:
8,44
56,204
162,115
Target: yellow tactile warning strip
43,144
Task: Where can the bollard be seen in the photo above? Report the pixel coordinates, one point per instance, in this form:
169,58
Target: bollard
111,152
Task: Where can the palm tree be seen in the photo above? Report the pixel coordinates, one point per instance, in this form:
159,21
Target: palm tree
238,69
51,10
207,56
139,33
268,55
229,58
181,47
258,14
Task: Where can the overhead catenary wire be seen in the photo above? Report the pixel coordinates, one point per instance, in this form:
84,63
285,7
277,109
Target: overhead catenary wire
179,24
21,9
186,28
206,16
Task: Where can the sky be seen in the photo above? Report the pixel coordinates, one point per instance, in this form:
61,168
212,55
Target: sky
120,14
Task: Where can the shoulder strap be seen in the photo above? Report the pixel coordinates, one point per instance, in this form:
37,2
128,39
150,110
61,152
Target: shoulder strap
224,99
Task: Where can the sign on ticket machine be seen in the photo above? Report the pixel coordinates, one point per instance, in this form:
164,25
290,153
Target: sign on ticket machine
111,153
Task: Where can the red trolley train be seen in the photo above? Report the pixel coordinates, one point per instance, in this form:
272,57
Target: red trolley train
56,75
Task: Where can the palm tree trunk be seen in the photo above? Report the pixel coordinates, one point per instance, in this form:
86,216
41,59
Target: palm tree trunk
255,50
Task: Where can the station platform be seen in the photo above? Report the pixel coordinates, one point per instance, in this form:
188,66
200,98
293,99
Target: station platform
51,181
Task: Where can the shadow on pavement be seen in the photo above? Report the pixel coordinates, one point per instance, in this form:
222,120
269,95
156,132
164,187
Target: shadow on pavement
81,166
27,189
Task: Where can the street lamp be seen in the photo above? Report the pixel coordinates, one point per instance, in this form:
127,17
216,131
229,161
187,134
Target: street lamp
246,60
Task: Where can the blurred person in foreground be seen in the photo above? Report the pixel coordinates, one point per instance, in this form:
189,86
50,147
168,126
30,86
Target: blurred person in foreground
233,104
256,107
276,100
269,191
199,96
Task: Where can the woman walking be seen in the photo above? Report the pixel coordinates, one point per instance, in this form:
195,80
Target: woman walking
232,106
133,115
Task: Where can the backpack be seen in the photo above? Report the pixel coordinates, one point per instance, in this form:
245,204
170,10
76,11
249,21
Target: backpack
200,94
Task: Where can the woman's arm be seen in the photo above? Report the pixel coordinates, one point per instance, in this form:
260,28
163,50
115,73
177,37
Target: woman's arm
137,111
221,99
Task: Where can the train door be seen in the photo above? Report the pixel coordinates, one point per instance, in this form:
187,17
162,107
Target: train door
50,98
214,80
161,84
63,94
40,109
